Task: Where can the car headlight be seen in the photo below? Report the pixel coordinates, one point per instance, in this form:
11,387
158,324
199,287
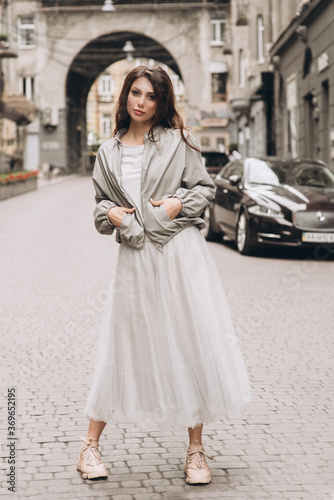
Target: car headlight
266,211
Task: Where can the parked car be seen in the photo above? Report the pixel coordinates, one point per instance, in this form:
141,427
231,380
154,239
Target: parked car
272,201
213,160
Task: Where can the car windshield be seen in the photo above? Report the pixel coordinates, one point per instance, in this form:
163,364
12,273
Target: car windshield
214,159
291,172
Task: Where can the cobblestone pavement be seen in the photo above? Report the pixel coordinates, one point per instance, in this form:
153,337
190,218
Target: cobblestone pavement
54,271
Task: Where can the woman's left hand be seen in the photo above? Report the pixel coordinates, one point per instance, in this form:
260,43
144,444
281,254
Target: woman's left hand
171,205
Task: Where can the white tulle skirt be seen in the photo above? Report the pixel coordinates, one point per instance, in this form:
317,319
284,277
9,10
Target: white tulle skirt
168,354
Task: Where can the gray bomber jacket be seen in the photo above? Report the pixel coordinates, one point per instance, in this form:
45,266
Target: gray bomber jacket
170,169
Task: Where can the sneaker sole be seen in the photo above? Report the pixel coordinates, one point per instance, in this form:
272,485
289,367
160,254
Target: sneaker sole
203,481
192,481
87,475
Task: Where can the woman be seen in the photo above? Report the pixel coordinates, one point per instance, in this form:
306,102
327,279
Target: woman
168,355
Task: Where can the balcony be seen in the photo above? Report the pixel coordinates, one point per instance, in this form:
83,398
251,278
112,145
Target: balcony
105,98
18,109
125,4
242,13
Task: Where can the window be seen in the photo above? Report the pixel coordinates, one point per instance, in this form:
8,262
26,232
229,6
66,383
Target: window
90,112
218,86
106,124
106,84
242,69
218,27
220,143
291,132
27,87
178,86
260,39
235,168
106,87
26,32
90,138
205,141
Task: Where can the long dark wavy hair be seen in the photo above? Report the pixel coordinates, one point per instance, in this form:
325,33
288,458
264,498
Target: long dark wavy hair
166,114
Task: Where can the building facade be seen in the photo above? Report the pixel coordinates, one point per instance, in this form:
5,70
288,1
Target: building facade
252,79
303,58
256,73
64,46
16,112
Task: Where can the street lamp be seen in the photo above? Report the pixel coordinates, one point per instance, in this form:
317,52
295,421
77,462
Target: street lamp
108,6
128,49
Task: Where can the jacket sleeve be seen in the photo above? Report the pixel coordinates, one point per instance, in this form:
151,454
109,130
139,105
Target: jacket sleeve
197,188
103,203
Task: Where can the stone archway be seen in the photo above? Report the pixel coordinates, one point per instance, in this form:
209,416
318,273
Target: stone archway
86,66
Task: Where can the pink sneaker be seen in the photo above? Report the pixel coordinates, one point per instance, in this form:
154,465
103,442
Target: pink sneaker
90,462
196,468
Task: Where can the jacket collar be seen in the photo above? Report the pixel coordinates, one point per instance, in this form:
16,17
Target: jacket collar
157,132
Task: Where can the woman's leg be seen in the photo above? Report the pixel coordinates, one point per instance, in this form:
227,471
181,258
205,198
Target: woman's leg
196,468
89,461
195,433
95,429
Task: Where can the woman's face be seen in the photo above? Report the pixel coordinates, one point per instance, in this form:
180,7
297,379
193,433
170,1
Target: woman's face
142,101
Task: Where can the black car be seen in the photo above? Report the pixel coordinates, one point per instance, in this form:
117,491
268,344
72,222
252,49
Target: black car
213,160
272,201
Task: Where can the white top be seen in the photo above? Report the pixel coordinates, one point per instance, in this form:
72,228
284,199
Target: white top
131,166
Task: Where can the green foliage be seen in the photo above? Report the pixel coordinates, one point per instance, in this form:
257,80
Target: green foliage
233,146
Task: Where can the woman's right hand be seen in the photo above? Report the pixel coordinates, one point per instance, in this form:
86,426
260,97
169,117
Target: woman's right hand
116,214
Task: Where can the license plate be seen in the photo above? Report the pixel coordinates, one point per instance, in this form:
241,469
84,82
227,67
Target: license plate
318,237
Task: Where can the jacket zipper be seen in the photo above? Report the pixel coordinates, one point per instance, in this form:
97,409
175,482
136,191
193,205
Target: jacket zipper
126,195
143,172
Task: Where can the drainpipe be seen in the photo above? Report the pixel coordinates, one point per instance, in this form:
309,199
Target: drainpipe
270,22
270,133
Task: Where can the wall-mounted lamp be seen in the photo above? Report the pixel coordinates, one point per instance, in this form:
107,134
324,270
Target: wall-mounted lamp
314,100
276,60
301,31
129,49
108,6
315,105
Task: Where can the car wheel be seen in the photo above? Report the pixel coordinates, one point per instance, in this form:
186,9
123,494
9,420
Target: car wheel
243,238
208,232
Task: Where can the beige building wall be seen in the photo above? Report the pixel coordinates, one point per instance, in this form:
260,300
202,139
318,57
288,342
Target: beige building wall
203,41
304,77
214,45
17,109
245,39
283,11
252,34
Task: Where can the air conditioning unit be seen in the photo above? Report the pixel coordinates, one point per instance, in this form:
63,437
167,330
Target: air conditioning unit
50,117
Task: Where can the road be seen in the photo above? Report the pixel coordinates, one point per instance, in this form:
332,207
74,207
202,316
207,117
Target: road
54,272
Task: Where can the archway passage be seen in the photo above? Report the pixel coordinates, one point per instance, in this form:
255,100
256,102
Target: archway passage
88,64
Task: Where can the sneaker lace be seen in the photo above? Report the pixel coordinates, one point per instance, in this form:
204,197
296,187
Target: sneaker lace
197,457
90,450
